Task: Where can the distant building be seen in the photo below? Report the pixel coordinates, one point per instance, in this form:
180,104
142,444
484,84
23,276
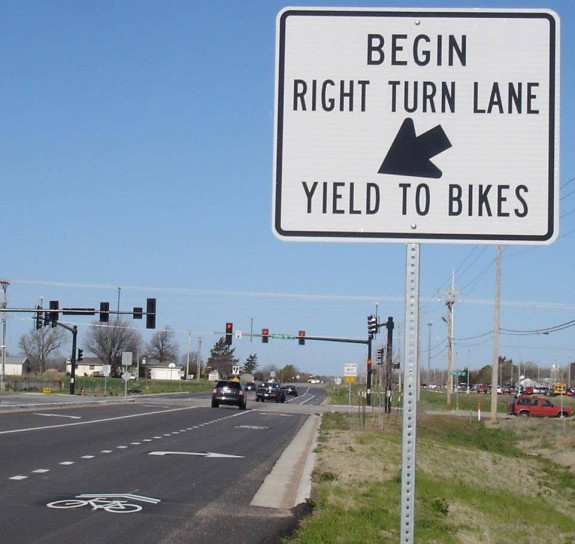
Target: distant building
88,366
17,366
165,371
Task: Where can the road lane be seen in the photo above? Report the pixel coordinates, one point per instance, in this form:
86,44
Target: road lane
111,455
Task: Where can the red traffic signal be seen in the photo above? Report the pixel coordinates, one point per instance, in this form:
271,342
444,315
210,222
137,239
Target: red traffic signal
265,336
229,333
301,338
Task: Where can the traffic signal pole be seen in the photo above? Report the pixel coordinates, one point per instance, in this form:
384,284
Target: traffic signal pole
74,331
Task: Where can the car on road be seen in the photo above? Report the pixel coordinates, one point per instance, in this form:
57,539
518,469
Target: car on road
229,392
270,391
251,386
290,390
481,388
536,407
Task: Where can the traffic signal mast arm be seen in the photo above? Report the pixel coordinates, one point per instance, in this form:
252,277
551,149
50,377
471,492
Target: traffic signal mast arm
266,335
332,339
45,317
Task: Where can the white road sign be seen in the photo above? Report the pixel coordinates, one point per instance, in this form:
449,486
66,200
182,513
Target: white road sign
417,125
350,369
127,358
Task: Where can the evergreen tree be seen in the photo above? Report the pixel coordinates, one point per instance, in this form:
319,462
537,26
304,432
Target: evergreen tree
222,358
251,364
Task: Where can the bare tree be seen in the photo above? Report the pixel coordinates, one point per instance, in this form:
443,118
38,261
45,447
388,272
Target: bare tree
38,345
163,346
107,342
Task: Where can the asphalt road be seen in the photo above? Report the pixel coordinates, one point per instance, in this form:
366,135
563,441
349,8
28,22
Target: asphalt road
162,469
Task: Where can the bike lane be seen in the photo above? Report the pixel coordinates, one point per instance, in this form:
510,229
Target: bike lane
187,471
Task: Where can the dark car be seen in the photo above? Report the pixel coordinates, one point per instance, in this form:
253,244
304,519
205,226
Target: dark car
290,390
229,392
251,386
270,391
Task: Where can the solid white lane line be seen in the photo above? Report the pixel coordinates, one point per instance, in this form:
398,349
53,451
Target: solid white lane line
105,420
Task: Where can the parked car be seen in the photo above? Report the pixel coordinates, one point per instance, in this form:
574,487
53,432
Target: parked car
270,391
290,390
536,407
229,392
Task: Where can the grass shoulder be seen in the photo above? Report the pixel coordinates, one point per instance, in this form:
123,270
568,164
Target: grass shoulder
509,481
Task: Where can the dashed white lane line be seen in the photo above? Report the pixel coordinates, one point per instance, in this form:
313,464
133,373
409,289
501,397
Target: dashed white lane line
123,447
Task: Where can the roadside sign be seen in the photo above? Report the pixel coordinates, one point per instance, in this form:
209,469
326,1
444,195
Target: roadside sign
350,370
127,357
417,125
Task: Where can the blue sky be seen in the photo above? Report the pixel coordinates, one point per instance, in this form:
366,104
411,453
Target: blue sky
136,152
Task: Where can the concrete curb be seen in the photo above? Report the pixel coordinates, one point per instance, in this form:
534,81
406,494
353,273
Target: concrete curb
291,474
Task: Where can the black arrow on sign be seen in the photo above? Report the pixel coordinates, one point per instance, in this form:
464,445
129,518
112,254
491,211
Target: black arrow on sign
409,154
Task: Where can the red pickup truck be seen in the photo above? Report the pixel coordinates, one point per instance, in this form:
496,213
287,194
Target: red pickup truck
537,407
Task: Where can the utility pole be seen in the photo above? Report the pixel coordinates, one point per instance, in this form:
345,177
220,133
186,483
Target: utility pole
199,357
188,358
450,303
496,326
5,285
429,324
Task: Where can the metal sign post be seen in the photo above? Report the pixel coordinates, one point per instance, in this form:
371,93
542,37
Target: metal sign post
410,394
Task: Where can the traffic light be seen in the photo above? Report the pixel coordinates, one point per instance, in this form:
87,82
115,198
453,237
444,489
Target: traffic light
104,312
80,355
265,336
301,338
229,333
137,313
371,326
150,313
54,314
39,322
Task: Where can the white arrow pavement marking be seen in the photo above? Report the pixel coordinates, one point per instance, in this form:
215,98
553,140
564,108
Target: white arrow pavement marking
198,454
58,415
